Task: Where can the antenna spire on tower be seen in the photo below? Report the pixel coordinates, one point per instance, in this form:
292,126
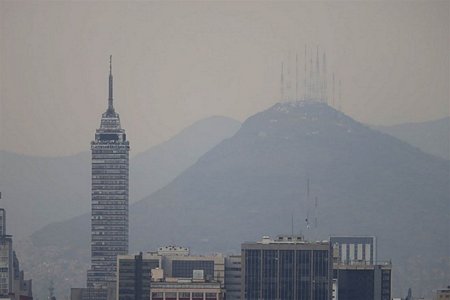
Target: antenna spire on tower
110,96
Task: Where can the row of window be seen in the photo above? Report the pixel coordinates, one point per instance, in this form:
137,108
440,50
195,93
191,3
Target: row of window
110,155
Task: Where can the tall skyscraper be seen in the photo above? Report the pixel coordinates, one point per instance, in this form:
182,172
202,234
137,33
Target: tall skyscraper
109,221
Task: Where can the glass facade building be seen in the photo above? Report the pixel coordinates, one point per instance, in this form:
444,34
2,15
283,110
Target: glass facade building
371,282
286,268
109,220
134,276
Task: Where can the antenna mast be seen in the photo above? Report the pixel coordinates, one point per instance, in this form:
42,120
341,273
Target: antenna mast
305,91
334,94
307,204
282,82
296,76
324,67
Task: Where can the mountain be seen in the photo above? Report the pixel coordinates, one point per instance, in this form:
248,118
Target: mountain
432,137
153,169
39,190
366,183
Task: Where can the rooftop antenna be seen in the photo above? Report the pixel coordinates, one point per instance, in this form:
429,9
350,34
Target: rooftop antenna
305,88
311,74
340,95
316,200
296,76
307,204
292,224
282,81
334,95
288,79
317,79
324,67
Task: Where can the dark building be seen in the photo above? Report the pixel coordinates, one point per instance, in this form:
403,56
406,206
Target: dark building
356,273
286,268
233,277
134,275
109,221
369,282
91,294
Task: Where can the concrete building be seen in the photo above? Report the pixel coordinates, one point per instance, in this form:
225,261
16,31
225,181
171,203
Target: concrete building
286,268
109,221
233,277
186,290
442,294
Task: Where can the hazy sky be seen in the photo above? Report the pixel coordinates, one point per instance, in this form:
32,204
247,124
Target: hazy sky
177,62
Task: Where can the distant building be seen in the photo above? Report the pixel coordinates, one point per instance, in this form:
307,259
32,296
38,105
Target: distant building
6,262
170,273
356,273
12,283
286,268
109,220
233,277
22,288
441,294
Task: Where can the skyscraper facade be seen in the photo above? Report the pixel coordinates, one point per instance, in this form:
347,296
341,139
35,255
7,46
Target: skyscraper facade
6,258
286,268
109,220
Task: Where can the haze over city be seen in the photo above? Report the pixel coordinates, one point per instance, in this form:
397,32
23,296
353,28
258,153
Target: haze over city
264,150
178,62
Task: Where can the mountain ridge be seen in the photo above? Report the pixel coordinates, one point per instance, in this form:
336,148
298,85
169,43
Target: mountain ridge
432,137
